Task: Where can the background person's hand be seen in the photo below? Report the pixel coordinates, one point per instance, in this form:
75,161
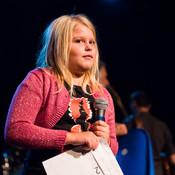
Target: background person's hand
121,129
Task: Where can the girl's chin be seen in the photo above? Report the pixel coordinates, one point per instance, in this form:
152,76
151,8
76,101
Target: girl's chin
86,69
81,72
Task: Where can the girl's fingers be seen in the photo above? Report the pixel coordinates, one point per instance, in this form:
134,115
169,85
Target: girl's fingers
101,129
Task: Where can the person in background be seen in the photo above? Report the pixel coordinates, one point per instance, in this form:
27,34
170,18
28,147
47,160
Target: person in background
103,79
121,112
161,138
52,109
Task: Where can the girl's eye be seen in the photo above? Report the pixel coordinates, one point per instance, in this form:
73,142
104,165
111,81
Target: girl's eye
92,42
78,41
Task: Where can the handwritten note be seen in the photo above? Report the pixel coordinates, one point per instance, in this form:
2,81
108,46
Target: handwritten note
106,160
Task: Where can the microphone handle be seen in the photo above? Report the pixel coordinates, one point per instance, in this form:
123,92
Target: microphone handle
99,113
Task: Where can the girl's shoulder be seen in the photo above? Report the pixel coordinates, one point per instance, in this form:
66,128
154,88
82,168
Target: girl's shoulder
41,72
40,75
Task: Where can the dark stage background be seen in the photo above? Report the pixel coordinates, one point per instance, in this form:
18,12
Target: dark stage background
136,40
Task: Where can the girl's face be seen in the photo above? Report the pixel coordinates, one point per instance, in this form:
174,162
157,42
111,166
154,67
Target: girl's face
83,50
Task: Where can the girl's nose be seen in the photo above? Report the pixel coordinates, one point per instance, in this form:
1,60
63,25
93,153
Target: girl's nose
88,47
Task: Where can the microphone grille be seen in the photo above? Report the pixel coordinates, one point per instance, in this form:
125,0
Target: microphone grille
100,103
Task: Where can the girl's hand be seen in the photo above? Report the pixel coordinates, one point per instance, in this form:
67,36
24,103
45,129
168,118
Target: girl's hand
88,139
101,129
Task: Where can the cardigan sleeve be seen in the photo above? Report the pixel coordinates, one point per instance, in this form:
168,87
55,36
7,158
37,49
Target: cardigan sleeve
110,120
21,129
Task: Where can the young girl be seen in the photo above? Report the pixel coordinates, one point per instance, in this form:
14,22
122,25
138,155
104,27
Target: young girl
52,109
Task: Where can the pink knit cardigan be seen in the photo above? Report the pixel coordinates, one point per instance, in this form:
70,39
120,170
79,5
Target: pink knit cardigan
36,108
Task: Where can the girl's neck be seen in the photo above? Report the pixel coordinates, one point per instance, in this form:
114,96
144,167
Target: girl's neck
77,80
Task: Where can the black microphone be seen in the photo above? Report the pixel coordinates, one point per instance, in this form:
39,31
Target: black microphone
100,105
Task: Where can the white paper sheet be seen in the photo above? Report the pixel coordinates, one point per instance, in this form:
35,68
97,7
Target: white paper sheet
106,159
78,162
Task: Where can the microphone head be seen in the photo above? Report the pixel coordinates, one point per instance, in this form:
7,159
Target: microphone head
100,103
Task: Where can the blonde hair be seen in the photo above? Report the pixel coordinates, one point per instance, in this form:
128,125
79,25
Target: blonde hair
55,51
